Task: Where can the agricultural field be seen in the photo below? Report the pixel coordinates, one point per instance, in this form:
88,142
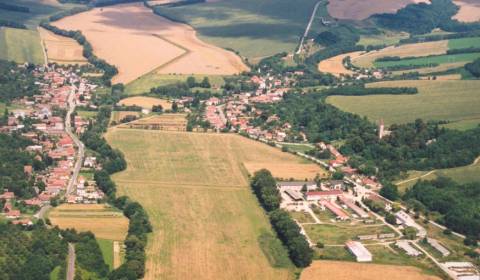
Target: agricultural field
436,100
207,223
146,102
337,270
463,43
387,38
469,10
253,28
359,10
105,222
334,65
129,36
60,49
167,122
338,234
438,59
20,45
106,246
117,116
153,79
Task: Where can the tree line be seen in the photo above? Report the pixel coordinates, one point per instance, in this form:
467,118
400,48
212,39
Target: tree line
14,8
265,188
359,90
474,67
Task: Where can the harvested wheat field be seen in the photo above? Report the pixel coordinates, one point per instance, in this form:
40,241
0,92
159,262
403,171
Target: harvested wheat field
414,50
137,41
117,116
206,221
337,270
60,49
469,10
167,122
103,221
358,10
146,102
334,65
285,170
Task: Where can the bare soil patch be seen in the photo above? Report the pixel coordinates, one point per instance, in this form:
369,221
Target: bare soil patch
415,50
469,10
146,102
60,49
137,41
334,65
337,270
362,9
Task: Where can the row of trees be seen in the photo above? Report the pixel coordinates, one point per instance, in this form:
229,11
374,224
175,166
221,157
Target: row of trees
264,186
358,90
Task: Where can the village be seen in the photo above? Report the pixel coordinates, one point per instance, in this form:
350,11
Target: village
47,121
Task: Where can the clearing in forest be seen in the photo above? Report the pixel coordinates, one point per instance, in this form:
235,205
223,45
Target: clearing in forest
60,49
436,100
20,45
358,10
338,270
469,10
137,41
146,102
105,222
207,224
335,66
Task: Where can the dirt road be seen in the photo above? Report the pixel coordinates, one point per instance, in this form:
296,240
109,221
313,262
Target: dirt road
71,262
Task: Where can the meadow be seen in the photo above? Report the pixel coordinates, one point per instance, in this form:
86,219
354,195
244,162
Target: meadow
436,100
338,234
20,45
207,223
462,43
253,28
437,59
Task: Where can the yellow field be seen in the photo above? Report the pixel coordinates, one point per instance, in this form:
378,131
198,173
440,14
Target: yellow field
206,220
138,42
146,102
117,116
358,10
334,65
97,218
418,49
469,10
60,49
337,270
168,122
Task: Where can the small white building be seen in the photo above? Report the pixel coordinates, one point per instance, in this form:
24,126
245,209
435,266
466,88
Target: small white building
359,251
408,248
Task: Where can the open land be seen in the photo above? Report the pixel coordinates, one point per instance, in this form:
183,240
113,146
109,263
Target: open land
338,234
206,221
168,122
469,10
439,59
60,49
436,100
337,270
146,102
137,41
117,116
103,221
358,10
387,38
20,45
334,65
254,28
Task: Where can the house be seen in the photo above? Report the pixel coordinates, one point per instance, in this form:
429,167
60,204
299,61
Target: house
28,170
359,251
323,195
7,195
33,202
405,219
23,222
13,214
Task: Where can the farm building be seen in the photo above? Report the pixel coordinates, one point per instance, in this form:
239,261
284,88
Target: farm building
462,270
341,215
323,195
359,251
297,185
439,247
350,204
405,219
408,248
295,195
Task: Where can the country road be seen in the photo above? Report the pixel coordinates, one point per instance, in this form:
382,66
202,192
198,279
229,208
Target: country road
309,25
71,262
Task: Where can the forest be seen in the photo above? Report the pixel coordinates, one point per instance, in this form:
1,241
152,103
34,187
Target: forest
474,67
16,81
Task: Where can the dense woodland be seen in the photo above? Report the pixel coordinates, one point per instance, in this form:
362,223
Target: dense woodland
474,68
15,81
458,204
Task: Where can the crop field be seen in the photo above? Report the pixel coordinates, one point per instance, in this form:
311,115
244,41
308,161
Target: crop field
436,100
168,122
338,234
337,270
254,28
286,170
146,102
358,10
462,43
418,49
207,223
130,37
440,59
334,65
153,79
117,116
62,50
469,10
20,45
103,221
106,246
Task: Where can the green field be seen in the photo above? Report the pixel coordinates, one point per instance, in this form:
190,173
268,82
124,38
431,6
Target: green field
436,100
146,82
20,45
301,148
463,124
254,28
106,246
465,174
330,234
207,224
388,38
439,59
463,43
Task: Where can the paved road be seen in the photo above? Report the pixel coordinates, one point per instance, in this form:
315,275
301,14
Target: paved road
71,262
78,143
41,213
312,17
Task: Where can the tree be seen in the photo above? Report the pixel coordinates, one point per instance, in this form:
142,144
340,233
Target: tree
337,175
410,233
191,83
205,83
174,107
390,218
390,191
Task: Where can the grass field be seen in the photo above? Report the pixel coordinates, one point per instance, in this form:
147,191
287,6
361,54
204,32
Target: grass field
302,148
254,28
437,100
330,234
168,122
104,222
336,270
463,43
388,38
153,79
207,223
20,45
106,246
439,59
